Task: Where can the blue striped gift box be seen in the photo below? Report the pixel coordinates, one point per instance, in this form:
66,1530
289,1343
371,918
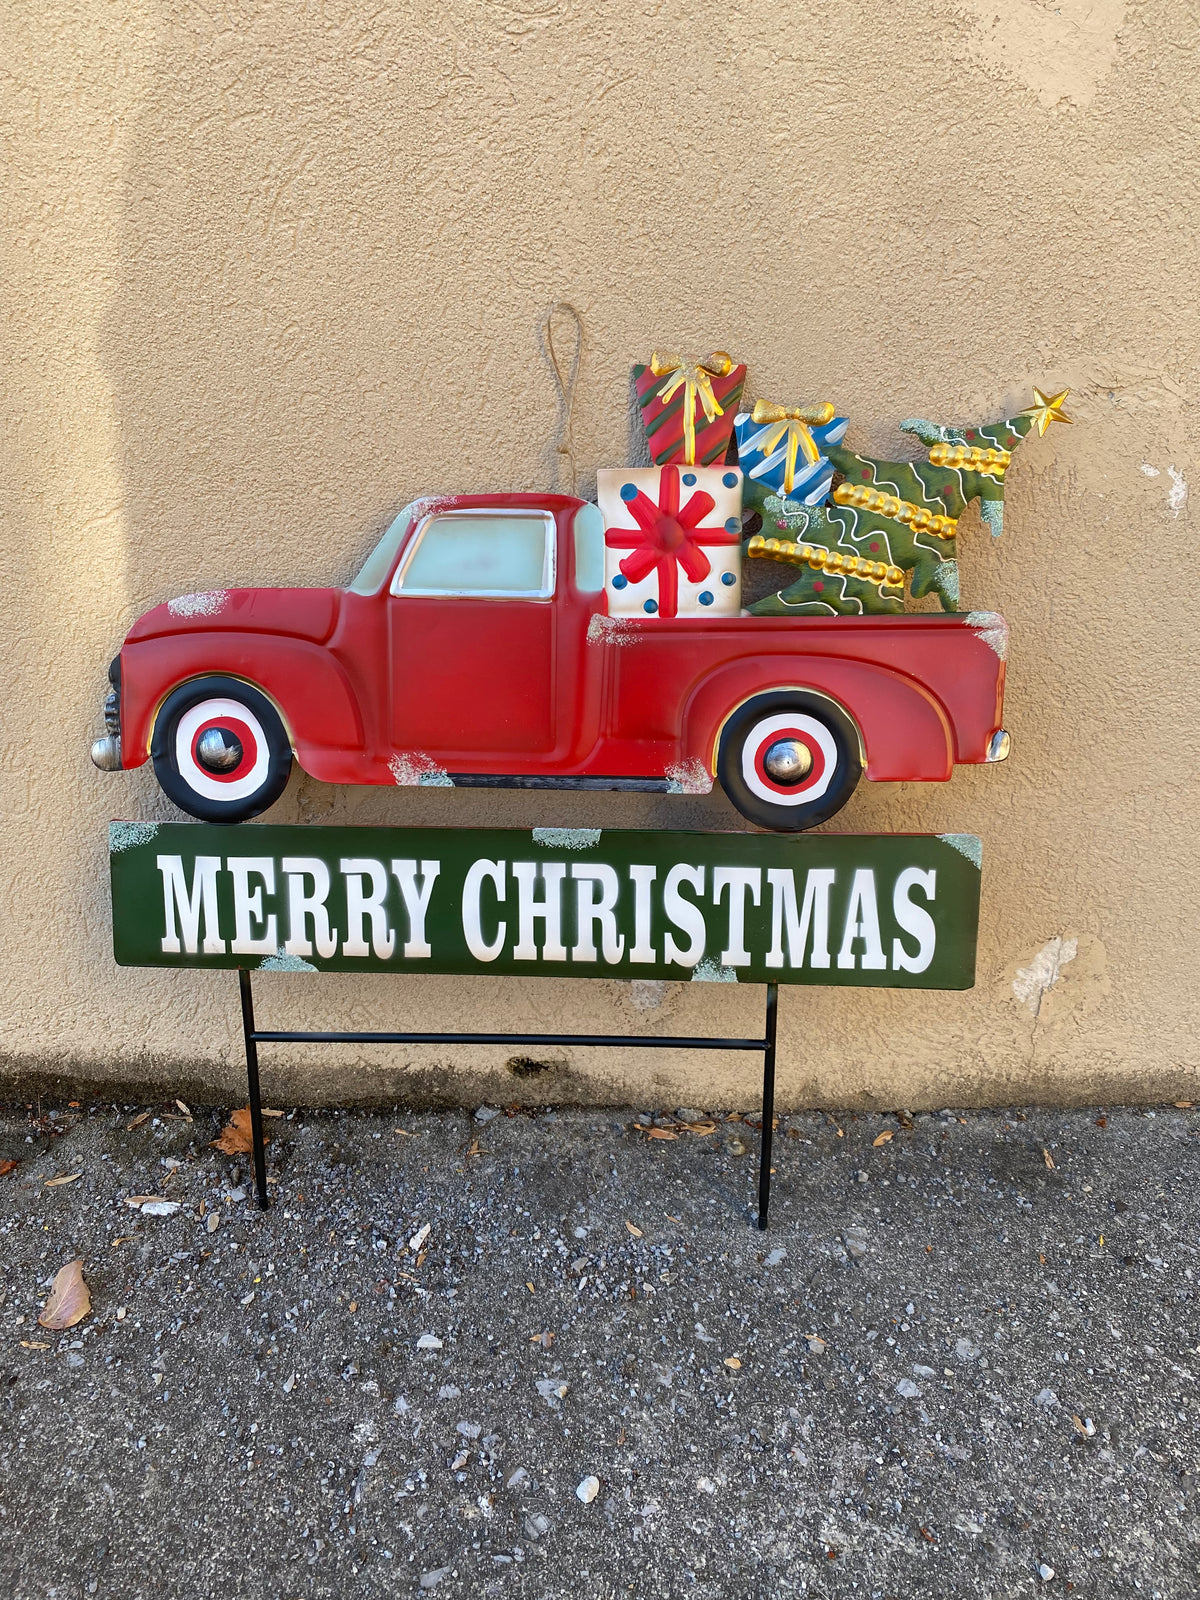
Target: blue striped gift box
812,479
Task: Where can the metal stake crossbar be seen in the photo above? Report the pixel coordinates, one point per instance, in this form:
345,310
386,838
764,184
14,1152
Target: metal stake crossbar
255,1036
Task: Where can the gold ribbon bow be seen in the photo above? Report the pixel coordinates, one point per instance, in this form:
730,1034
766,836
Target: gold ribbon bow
695,376
795,422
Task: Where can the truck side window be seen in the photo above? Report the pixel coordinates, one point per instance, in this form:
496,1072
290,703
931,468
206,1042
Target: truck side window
589,549
492,554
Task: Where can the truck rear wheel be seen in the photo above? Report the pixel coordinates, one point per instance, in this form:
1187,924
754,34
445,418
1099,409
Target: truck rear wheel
220,750
789,760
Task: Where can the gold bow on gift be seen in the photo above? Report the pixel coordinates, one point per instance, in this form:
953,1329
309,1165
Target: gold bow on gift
696,376
794,421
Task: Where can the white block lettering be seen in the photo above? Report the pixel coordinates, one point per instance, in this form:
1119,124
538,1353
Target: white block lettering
914,919
642,948
685,915
547,910
248,906
360,905
862,922
471,912
817,885
202,897
737,880
589,911
301,906
416,902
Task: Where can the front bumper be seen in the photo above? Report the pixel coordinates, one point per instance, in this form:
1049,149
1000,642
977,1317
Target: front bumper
999,745
106,752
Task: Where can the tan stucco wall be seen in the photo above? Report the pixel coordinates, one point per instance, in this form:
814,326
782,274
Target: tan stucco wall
271,270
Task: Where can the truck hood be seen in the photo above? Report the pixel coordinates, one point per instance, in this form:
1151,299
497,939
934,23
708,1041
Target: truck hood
299,613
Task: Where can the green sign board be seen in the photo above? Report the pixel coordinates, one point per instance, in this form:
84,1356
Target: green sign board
886,910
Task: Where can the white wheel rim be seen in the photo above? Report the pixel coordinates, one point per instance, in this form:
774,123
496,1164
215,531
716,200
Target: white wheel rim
814,735
243,782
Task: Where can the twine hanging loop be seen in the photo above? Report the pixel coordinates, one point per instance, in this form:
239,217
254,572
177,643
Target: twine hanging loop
566,375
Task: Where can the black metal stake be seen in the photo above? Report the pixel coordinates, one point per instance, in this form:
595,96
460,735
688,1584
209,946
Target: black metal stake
253,1036
256,1117
768,1109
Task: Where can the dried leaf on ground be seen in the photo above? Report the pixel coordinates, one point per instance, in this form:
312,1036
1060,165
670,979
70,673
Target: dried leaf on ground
635,1231
237,1137
661,1133
732,1361
69,1301
7,1166
142,1116
269,1111
1049,1159
34,1344
882,1139
184,1109
136,1200
701,1129
65,1177
1182,1105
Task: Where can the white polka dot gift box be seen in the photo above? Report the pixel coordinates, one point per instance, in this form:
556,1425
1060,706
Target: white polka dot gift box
673,540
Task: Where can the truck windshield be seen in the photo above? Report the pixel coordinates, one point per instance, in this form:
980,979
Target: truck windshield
375,569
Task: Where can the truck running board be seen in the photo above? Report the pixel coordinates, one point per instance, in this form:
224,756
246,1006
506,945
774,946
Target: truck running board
491,780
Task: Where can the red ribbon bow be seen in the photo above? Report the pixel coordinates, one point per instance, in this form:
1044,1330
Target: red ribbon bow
664,540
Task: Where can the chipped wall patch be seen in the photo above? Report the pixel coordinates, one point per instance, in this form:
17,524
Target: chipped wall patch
711,971
1062,51
1177,498
1042,973
412,769
128,835
567,838
992,512
1151,472
282,962
612,630
209,603
967,844
688,777
647,994
992,630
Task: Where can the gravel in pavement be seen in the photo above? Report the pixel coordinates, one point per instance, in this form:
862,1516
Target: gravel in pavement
548,1354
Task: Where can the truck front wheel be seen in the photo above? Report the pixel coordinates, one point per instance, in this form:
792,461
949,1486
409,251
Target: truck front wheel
789,760
220,750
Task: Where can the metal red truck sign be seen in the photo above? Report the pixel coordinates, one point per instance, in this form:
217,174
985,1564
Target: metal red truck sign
489,640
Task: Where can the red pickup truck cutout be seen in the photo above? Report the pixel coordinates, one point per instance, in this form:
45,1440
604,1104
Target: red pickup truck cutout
475,648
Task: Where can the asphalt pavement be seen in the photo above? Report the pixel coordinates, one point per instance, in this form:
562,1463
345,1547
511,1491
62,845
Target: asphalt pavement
536,1354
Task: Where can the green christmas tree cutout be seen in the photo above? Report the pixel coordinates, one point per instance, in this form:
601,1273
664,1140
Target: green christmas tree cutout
899,515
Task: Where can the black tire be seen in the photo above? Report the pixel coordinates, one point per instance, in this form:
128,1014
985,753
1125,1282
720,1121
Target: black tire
809,729
231,784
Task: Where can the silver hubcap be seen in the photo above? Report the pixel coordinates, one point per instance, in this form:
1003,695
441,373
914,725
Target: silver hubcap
219,750
788,761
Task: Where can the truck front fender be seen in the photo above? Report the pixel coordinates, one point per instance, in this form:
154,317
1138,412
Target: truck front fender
307,685
905,733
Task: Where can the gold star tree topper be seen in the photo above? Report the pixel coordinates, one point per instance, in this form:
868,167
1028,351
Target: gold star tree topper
1047,409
